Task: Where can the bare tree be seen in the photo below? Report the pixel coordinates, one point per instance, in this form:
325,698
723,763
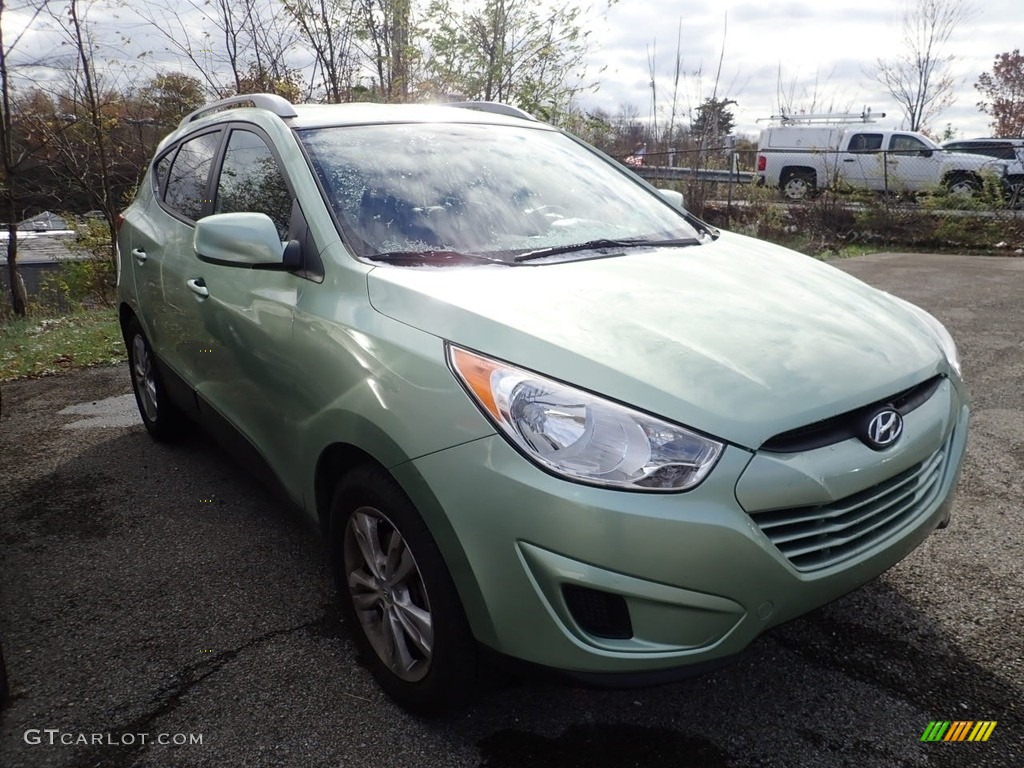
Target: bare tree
383,36
87,157
920,80
326,26
794,97
242,41
13,158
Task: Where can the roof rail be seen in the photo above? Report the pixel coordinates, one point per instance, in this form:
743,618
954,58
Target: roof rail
270,101
825,117
493,107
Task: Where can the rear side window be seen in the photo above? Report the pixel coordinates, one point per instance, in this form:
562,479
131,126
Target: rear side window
251,181
160,173
866,142
187,179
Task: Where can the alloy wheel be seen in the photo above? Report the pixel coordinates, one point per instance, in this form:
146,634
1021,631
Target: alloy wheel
388,594
145,377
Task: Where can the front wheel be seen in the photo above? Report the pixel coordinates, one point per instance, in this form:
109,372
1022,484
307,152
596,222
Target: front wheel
398,596
963,184
1015,192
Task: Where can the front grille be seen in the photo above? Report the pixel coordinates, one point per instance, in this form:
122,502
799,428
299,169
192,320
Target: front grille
817,537
845,426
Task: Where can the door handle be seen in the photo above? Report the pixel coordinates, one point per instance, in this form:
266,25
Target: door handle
198,287
139,254
847,159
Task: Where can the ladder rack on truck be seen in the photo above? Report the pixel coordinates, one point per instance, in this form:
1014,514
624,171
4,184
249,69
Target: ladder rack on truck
825,117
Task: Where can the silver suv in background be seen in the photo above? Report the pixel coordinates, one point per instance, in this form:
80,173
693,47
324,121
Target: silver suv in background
1009,149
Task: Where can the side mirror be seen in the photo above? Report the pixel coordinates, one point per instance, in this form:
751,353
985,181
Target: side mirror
673,197
247,240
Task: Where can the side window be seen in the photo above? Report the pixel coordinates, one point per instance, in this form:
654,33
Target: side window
866,142
251,181
186,181
908,145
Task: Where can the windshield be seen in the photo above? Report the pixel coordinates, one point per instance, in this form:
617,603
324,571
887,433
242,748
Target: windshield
491,192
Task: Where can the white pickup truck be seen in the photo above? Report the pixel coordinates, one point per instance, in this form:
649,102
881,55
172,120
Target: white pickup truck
801,159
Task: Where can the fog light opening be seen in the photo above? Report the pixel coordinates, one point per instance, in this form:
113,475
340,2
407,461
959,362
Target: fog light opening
598,613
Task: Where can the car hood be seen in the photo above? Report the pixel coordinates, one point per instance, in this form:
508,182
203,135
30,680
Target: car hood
973,161
736,338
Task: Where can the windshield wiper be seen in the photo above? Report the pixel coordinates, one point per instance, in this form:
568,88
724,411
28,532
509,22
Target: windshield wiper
418,258
590,245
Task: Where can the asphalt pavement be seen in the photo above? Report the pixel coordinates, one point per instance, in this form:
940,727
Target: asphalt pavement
158,607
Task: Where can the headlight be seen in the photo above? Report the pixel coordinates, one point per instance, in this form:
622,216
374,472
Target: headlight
581,436
942,336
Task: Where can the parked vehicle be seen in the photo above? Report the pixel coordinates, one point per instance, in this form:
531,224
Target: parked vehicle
534,405
804,155
1009,149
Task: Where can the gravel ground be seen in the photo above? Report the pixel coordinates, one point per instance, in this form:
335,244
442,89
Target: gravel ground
155,593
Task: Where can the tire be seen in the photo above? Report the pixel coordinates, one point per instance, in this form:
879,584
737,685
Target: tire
398,597
963,184
1015,192
798,185
161,417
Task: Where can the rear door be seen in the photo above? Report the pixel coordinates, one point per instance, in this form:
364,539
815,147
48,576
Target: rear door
161,248
862,165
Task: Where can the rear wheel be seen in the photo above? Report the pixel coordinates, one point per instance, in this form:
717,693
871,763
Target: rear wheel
161,417
398,596
798,185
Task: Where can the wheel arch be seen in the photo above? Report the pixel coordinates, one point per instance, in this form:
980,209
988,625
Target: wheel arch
953,176
125,314
797,170
337,459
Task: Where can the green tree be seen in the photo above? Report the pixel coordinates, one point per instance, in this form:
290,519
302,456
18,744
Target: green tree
509,51
714,120
170,96
287,83
1003,89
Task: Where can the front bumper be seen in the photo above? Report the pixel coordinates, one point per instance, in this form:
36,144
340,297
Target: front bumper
699,576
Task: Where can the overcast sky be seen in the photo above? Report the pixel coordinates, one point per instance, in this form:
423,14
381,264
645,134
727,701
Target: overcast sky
815,54
812,48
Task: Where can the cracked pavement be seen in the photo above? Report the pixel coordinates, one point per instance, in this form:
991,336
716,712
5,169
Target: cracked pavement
153,590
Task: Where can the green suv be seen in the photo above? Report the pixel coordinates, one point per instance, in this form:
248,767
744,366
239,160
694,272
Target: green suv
534,405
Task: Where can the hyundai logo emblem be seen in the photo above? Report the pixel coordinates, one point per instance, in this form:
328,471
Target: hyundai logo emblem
883,429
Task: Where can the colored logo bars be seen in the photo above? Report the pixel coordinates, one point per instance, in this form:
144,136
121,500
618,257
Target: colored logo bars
958,730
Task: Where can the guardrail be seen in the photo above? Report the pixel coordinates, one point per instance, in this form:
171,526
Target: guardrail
664,173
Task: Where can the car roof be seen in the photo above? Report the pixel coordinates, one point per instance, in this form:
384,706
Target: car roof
355,113
985,141
325,115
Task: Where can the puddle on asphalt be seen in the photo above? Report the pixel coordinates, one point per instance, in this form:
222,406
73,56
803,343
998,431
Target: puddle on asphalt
119,411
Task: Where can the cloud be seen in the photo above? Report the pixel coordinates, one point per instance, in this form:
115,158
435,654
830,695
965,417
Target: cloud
816,56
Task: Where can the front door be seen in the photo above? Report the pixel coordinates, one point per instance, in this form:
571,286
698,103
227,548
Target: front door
246,372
